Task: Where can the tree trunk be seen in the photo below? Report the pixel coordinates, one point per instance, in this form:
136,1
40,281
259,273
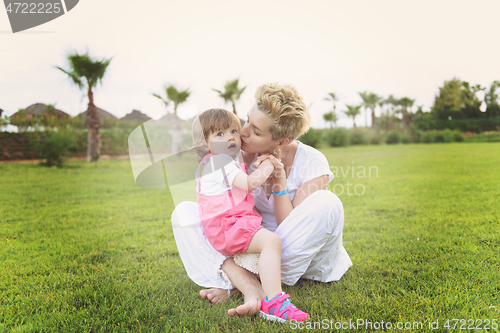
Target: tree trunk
373,119
391,125
234,108
406,118
353,123
176,135
93,125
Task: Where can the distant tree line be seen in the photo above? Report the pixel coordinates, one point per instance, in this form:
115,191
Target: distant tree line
457,106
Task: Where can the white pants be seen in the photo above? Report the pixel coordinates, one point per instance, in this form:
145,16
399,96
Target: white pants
311,238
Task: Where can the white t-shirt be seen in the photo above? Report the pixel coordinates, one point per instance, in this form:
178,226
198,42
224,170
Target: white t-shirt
308,164
213,183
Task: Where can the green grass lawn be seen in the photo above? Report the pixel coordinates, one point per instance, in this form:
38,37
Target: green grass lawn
83,249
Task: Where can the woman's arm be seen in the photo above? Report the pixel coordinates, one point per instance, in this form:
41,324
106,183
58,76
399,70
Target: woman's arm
282,204
308,188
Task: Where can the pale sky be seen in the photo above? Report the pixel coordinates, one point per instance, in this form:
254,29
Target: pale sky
387,47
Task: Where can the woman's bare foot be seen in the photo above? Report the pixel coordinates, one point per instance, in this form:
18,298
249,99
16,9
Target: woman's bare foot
216,295
251,305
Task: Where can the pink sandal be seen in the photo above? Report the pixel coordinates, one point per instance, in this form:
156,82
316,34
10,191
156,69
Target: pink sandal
281,308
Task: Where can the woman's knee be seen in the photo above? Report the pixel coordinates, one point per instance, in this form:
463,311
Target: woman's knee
185,214
326,200
325,204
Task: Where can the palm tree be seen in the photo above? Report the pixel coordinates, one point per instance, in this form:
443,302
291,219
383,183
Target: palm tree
86,71
393,102
352,111
406,103
231,93
177,97
331,117
370,101
332,97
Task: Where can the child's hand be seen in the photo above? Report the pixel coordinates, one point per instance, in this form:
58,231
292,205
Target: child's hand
260,159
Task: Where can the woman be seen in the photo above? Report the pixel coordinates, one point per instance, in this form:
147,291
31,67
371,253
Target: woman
308,218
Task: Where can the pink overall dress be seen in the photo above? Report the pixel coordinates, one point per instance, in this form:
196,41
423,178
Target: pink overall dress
228,220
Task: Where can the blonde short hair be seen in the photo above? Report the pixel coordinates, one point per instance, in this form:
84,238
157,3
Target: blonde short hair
208,122
286,108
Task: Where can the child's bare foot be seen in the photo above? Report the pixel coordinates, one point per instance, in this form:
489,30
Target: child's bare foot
250,307
216,295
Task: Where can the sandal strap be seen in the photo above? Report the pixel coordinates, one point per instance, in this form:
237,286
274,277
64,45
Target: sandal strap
281,305
283,297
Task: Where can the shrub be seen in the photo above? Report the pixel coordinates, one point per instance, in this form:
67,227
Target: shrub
358,137
416,137
484,137
338,137
55,145
406,139
438,137
312,137
376,139
114,141
448,135
458,136
392,138
427,137
427,122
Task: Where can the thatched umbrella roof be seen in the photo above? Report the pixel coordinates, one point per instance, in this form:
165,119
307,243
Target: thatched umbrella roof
169,118
40,109
102,114
136,115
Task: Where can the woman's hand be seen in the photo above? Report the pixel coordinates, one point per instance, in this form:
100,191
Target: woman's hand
279,169
260,159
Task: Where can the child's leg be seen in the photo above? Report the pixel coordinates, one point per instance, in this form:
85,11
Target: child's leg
268,244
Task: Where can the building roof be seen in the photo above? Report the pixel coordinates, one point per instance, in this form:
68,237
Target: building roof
136,115
102,114
39,109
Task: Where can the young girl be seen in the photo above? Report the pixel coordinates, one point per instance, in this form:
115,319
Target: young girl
226,202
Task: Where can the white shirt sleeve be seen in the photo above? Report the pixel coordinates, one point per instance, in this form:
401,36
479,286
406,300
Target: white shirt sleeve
314,164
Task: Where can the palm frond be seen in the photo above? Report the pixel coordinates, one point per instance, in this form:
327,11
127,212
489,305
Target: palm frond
166,102
83,65
75,78
231,92
176,96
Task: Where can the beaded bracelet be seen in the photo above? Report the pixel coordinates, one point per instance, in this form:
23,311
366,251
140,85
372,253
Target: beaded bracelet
280,192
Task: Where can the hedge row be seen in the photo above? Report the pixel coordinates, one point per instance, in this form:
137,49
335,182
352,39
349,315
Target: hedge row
426,122
341,137
54,144
30,145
